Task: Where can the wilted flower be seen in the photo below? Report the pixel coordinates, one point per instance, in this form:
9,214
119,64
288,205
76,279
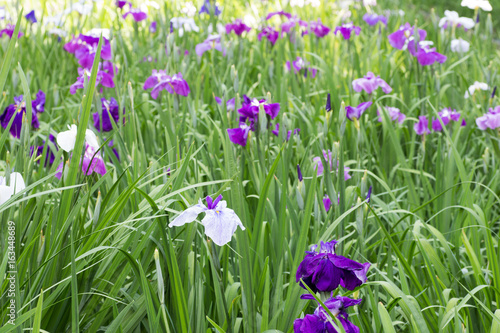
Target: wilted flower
489,120
477,4
325,270
238,27
84,48
184,24
476,86
31,17
220,222
16,185
137,14
451,19
212,42
110,110
446,115
329,159
459,46
356,111
394,114
422,126
404,38
270,33
299,65
9,31
370,83
373,19
159,81
103,77
229,103
346,30
320,321
18,110
207,8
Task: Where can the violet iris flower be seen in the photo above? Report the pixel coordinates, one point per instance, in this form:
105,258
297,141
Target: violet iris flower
229,104
394,114
239,135
281,13
300,65
347,29
9,31
159,81
137,14
18,110
152,27
84,48
370,83
490,119
250,110
292,23
327,202
90,163
104,77
212,42
317,28
207,6
220,222
319,322
422,126
446,115
38,150
121,3
31,17
270,33
110,110
325,270
426,55
238,27
357,111
276,131
373,19
403,38
329,159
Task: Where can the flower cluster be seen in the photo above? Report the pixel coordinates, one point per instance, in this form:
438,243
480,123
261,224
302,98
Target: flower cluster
238,27
446,115
17,110
84,48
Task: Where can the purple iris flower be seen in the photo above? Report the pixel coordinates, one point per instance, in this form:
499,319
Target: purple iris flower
207,6
446,115
299,173
373,19
239,135
250,110
31,17
84,48
152,27
300,65
317,28
319,322
238,27
329,159
174,84
104,77
426,55
110,110
490,119
357,111
325,270
212,42
394,114
347,29
121,3
90,163
327,203
292,23
136,13
38,150
422,126
276,131
18,110
281,13
404,38
9,31
370,83
270,33
328,106
229,104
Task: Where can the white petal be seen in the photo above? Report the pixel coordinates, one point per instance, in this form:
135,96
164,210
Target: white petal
66,140
221,225
91,139
16,182
5,193
188,216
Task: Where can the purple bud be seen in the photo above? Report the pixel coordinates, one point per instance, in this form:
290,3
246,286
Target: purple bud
477,17
171,27
494,91
328,103
299,173
368,196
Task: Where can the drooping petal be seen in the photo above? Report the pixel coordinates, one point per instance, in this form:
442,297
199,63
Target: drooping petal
188,216
67,139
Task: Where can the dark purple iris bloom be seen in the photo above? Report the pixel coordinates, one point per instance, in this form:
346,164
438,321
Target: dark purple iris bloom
369,195
422,126
111,144
370,83
121,3
110,110
18,110
238,27
152,27
299,65
328,106
319,322
136,13
373,19
229,103
270,33
327,203
292,23
38,150
490,119
325,270
299,173
207,7
404,38
394,114
347,29
239,135
159,81
84,48
31,17
357,111
276,131
317,28
250,110
104,77
281,13
426,55
446,115
9,31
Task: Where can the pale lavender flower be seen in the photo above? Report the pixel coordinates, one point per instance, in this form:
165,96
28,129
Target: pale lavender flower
370,83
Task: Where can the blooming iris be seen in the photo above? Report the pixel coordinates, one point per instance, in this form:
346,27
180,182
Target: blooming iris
325,270
103,77
356,111
292,23
373,19
404,38
212,42
270,33
207,8
422,126
476,4
317,28
67,139
239,135
394,114
121,3
38,150
451,19
84,48
137,14
229,104
490,119
9,31
459,46
18,110
329,159
16,185
220,222
110,110
183,24
31,17
159,80
370,83
347,29
426,55
238,27
446,115
153,27
476,86
299,65
280,13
